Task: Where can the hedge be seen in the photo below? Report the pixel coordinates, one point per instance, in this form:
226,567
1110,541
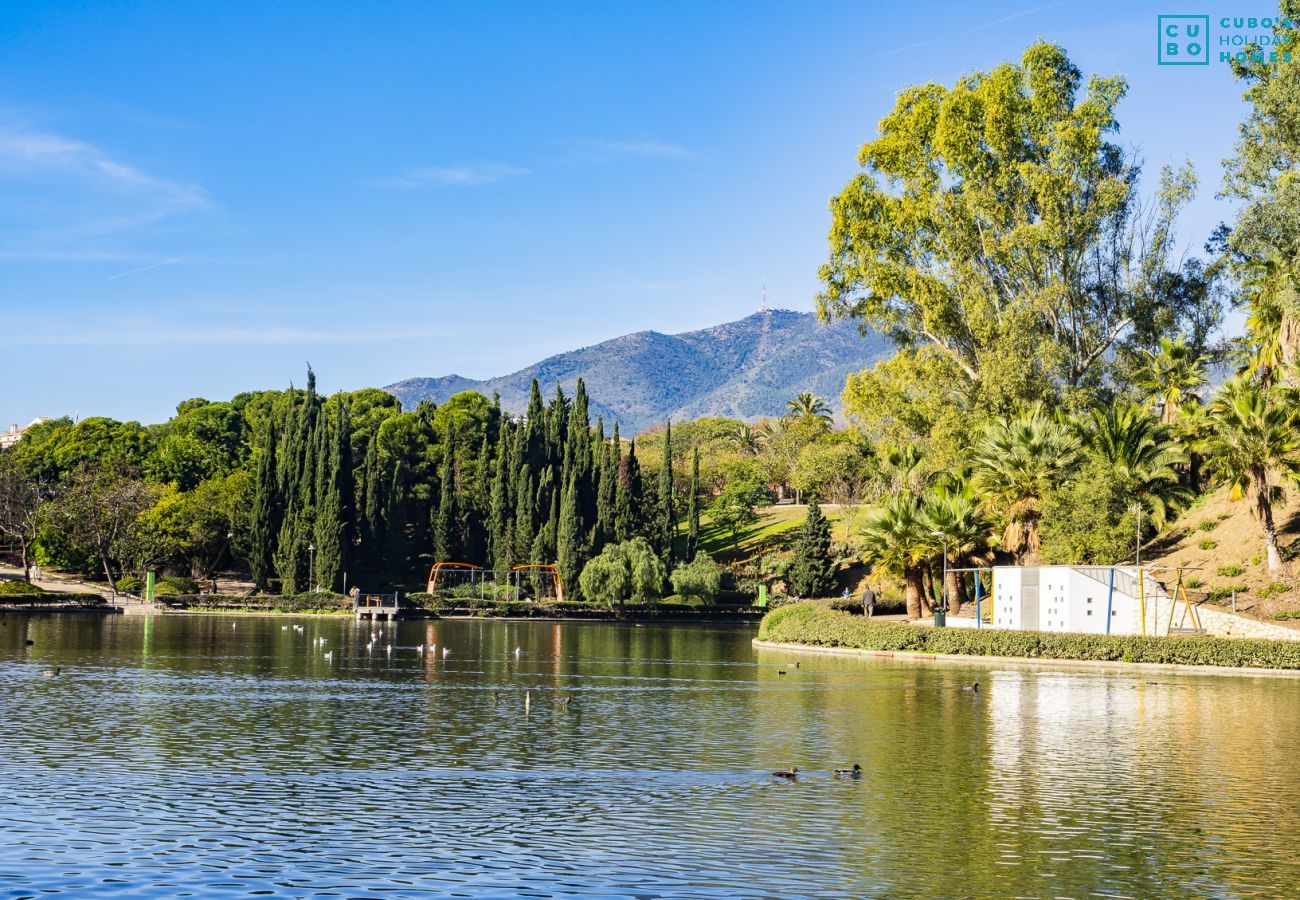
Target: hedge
805,623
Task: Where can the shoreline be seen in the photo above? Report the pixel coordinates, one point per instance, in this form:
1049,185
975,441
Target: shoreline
1039,662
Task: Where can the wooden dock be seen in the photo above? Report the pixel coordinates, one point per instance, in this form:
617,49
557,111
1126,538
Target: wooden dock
377,606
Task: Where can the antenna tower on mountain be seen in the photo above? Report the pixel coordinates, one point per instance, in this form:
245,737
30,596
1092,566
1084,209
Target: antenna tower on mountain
764,307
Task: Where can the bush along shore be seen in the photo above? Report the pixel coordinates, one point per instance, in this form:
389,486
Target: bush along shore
806,623
422,604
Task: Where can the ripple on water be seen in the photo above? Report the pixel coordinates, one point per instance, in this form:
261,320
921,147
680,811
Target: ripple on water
175,758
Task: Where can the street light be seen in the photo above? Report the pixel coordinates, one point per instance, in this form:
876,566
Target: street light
943,537
311,562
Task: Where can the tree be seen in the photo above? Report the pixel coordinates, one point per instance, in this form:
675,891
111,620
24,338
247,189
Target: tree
693,508
895,540
700,579
1253,436
808,407
1172,372
1089,518
1264,243
736,506
953,509
1142,456
263,523
840,471
623,571
22,504
667,511
1015,462
100,508
569,545
812,570
999,239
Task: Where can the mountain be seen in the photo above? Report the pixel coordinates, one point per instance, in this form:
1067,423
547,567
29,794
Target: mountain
746,369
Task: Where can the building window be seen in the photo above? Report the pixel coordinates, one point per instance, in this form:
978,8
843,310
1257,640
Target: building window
1089,612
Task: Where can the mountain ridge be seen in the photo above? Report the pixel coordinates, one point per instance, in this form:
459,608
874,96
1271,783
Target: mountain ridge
747,369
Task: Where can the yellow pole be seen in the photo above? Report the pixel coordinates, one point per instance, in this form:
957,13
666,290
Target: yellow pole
1142,600
1191,610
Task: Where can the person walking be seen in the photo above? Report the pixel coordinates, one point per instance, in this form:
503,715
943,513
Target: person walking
868,601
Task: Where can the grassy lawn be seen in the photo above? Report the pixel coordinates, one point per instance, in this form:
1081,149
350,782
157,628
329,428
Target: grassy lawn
776,527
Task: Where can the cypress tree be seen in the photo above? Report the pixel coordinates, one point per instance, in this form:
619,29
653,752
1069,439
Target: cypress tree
606,494
444,523
630,499
569,550
372,519
667,515
523,543
499,555
396,563
263,527
331,533
812,571
693,508
291,552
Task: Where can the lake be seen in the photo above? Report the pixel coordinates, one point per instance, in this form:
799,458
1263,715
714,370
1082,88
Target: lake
229,756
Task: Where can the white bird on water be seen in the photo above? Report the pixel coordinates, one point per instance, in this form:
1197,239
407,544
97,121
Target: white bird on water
419,648
446,651
329,654
389,648
528,700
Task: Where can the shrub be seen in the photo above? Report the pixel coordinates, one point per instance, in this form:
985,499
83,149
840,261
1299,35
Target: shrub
806,623
179,583
1223,593
1193,583
1207,525
129,585
1286,614
1230,571
700,579
1256,560
1273,588
1208,544
20,589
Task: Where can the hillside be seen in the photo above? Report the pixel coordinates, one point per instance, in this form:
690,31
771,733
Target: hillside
1221,540
746,369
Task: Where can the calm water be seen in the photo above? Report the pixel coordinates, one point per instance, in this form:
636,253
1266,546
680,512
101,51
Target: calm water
186,757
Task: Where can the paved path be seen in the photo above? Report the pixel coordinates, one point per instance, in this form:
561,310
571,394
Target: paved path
58,583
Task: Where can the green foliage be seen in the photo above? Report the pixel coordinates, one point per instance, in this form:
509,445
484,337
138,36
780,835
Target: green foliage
735,506
629,570
1193,583
998,237
1207,544
809,624
16,588
1089,518
1272,589
1229,571
700,579
812,571
1207,525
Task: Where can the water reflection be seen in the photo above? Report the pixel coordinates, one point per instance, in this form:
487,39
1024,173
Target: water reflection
181,756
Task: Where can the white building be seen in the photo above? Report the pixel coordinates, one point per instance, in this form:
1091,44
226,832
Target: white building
15,434
1080,599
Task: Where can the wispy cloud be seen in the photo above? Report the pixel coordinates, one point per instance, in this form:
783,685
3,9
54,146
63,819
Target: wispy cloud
973,29
143,333
465,175
157,265
27,153
602,151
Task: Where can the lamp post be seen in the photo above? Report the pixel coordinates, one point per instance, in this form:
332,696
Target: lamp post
311,562
943,537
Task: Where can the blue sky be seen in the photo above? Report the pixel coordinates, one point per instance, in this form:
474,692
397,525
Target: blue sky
199,199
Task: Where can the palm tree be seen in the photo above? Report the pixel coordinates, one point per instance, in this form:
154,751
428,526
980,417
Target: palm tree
896,540
746,439
808,407
1143,456
903,469
1015,463
1251,437
1172,373
953,510
1273,326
